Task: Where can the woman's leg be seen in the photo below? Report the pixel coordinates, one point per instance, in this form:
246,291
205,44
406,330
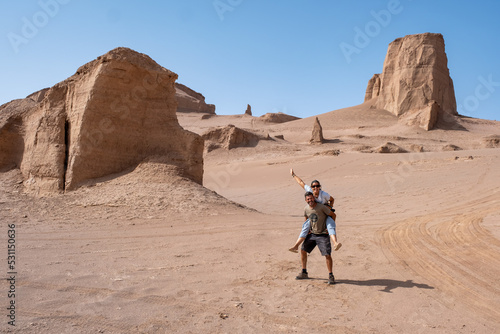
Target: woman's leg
303,234
332,231
305,229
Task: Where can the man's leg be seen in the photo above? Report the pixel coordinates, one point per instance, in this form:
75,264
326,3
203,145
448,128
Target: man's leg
303,259
326,250
329,266
308,246
329,263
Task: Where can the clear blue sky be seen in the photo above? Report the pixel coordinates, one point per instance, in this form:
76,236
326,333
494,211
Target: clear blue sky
276,55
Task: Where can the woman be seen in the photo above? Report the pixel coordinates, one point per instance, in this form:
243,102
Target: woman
323,198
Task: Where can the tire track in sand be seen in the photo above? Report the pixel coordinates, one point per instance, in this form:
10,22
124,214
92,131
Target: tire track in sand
453,252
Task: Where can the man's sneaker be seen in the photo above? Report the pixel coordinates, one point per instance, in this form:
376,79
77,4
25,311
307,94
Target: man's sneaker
331,279
302,275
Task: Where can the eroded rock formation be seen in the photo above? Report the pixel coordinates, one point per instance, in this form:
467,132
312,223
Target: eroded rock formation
249,110
317,133
373,88
389,148
229,137
492,141
115,112
451,147
191,101
415,83
277,118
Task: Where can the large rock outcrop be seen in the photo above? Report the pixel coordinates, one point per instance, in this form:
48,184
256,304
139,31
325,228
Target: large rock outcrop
114,113
415,83
229,137
191,101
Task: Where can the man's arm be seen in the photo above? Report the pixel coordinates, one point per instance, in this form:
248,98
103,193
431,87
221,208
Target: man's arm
330,201
329,212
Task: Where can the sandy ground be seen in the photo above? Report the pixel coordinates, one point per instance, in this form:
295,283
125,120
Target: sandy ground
421,236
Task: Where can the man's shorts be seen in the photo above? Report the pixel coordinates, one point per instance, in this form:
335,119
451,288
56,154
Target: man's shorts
320,240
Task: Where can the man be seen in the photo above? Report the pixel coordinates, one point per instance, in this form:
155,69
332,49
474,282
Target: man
323,198
317,214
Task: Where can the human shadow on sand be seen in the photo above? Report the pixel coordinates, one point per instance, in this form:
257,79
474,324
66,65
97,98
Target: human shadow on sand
388,284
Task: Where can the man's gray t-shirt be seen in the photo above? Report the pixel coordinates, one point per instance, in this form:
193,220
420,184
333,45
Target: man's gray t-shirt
317,217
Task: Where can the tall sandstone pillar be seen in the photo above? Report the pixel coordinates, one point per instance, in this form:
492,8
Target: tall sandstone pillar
415,83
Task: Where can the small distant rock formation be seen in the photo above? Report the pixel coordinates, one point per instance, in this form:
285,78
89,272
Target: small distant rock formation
451,147
363,149
249,110
191,101
229,137
317,133
277,118
328,152
389,148
492,141
373,88
416,148
415,83
112,114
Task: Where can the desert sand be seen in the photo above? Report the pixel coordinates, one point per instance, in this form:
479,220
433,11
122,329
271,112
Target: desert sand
129,206
133,253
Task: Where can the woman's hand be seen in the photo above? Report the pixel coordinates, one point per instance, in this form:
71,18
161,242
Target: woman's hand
296,178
